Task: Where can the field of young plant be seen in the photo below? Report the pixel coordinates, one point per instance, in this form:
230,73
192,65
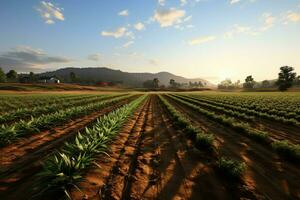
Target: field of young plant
204,145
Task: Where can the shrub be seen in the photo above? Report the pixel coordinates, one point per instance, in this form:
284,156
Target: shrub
287,150
7,135
191,132
204,141
231,168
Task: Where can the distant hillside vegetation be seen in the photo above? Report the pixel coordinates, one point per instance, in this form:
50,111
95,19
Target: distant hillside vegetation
90,75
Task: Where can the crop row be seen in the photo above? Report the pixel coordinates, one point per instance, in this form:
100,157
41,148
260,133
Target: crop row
204,141
217,108
245,111
10,133
11,103
284,148
24,113
66,167
287,107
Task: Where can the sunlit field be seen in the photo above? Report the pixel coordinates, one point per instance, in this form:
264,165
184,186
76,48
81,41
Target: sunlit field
113,146
150,100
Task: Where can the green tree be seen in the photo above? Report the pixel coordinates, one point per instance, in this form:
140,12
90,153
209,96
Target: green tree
2,76
73,77
286,77
32,77
12,75
155,82
172,82
148,84
265,84
249,82
297,80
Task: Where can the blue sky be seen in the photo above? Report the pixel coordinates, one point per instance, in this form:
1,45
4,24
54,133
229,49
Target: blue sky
212,39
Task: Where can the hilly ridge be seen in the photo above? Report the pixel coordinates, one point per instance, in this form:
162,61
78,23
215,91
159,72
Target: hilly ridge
130,79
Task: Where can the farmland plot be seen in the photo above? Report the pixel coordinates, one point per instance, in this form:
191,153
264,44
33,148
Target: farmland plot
167,146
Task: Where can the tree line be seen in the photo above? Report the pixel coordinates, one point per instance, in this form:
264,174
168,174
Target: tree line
286,79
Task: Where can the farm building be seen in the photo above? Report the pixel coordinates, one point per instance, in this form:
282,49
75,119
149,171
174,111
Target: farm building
48,80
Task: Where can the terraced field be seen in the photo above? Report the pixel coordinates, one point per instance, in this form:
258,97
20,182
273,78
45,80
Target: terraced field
150,146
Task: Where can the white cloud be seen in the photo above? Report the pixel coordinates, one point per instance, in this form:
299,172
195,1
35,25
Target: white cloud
292,16
238,29
25,58
269,21
190,26
50,12
123,13
139,26
94,57
201,40
168,17
238,1
127,44
183,2
161,2
120,32
234,1
187,18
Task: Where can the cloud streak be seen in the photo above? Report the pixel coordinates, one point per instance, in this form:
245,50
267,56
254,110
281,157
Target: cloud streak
123,13
50,13
24,58
119,32
201,40
94,57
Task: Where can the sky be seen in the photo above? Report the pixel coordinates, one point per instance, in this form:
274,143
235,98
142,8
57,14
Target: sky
210,39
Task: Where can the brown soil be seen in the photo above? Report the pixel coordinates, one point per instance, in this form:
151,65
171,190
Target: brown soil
151,159
22,160
266,173
276,130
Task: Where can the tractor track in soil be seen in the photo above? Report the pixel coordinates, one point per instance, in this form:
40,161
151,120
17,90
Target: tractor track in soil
21,161
266,173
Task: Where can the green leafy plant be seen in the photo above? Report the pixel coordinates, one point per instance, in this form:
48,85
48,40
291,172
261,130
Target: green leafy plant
231,168
66,167
287,150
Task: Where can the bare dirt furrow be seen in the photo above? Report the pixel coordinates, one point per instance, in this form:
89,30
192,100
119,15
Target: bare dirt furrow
276,130
144,174
17,152
197,180
18,176
266,172
94,184
120,178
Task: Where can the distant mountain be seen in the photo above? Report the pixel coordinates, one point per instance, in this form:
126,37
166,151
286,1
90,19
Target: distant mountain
129,79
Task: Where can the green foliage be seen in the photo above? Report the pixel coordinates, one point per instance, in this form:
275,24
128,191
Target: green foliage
204,141
286,78
66,167
287,150
7,135
12,75
249,82
62,170
191,132
2,76
231,168
43,122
